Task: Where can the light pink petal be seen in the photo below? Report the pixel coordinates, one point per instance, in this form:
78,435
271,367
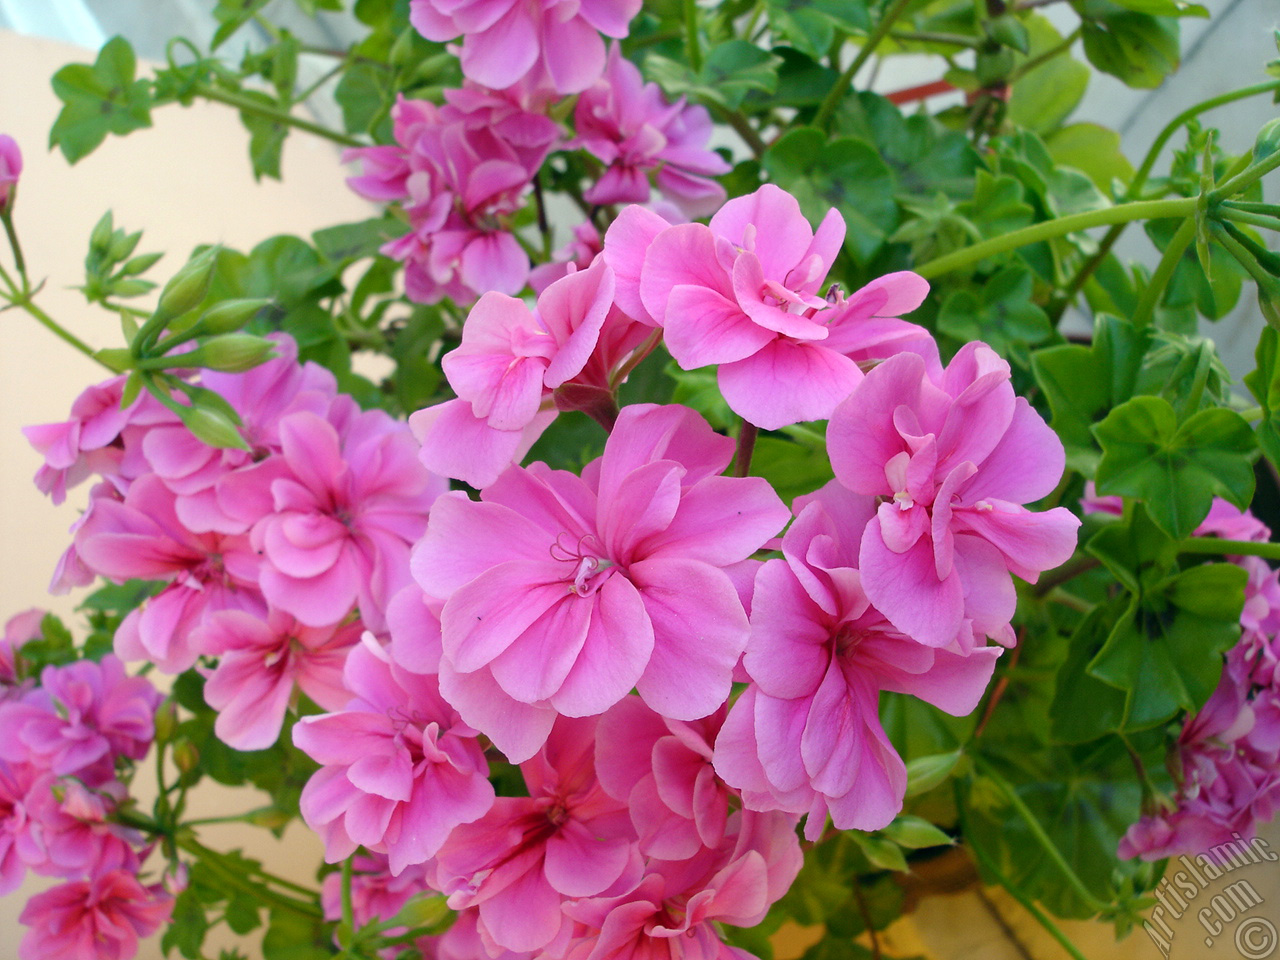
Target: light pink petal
780,233
861,436
574,53
503,53
617,648
906,589
488,614
787,382
683,255
703,327
721,520
1026,464
517,729
582,864
626,243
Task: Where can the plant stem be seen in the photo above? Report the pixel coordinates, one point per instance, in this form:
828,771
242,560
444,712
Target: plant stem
837,92
29,305
1262,220
1140,179
249,105
747,434
7,219
925,36
271,898
692,47
742,126
1042,58
1146,307
348,901
1068,571
1122,213
1041,836
1230,548
1244,180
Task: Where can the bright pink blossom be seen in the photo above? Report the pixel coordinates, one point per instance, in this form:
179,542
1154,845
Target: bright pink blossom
17,842
376,893
97,919
81,717
504,41
10,170
399,771
566,839
71,829
806,737
18,629
630,126
562,594
262,663
953,460
343,517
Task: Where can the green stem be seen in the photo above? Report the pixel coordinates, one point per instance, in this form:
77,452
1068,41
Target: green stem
348,901
7,219
1043,838
1230,548
742,126
1261,220
925,36
1026,902
1145,309
837,92
270,898
692,47
1042,58
1068,571
1122,213
1244,180
29,305
1140,179
638,357
249,105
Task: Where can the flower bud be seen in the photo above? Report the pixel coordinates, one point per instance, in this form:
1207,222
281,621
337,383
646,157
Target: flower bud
188,286
269,819
230,353
10,168
166,721
185,756
230,315
1268,141
213,428
100,238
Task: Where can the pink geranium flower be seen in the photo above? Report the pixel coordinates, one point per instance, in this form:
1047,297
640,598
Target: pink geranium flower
399,770
566,839
504,41
509,363
630,126
342,517
562,594
806,736
81,717
953,461
10,170
261,664
18,846
72,831
746,292
97,919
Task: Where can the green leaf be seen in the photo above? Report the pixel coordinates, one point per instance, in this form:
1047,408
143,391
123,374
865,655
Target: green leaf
99,99
1001,313
925,773
231,16
916,833
187,926
846,174
808,30
791,469
293,937
1264,384
1175,469
882,853
266,137
1137,48
1043,98
1085,708
1164,8
364,93
1166,651
242,913
354,241
1092,149
732,70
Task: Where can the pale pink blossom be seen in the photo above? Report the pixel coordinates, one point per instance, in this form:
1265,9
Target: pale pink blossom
101,918
262,663
577,254
504,41
632,128
806,736
562,594
662,769
10,170
343,517
80,719
141,536
746,292
18,629
399,769
376,893
510,362
566,839
953,462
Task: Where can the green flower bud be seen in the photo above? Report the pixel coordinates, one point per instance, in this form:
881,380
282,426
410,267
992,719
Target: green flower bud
166,721
140,264
230,353
230,315
185,755
188,286
122,244
100,238
1268,141
213,428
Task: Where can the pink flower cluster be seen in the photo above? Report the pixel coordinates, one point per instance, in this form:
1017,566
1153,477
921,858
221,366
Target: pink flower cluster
64,741
459,171
629,126
506,41
269,554
1227,760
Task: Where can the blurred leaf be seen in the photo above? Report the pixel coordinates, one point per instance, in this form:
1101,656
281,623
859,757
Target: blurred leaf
1093,149
1264,384
1137,48
99,99
1043,98
266,137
